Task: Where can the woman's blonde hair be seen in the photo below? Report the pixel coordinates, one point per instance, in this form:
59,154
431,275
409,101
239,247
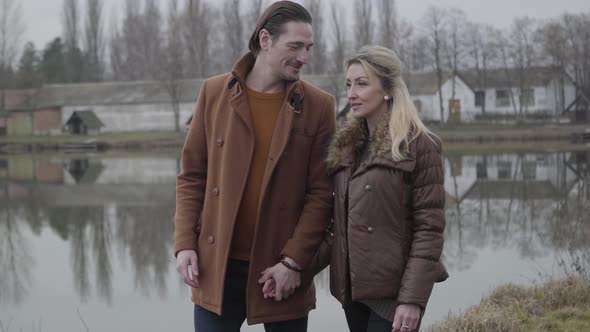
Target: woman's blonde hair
403,120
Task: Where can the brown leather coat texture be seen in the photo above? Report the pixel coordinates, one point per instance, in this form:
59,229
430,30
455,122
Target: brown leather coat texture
296,195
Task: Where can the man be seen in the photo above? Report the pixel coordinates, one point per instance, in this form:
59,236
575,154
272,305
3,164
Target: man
253,198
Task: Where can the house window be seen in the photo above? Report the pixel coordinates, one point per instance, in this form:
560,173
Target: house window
502,98
3,164
481,171
418,104
527,97
480,98
529,170
504,170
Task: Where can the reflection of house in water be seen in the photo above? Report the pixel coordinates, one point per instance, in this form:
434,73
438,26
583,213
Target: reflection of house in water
84,170
29,169
526,203
526,176
89,181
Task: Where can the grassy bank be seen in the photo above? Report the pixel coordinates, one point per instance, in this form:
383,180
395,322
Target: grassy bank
131,141
499,133
556,306
479,138
142,136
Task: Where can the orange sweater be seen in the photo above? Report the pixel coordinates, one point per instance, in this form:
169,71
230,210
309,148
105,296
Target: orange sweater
264,109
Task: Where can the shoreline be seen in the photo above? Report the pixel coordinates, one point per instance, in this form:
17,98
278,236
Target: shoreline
476,138
558,305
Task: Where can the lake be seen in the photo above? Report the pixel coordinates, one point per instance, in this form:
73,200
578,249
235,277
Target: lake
86,241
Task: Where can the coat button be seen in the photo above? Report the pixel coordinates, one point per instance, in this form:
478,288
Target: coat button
370,229
211,239
368,187
216,191
220,142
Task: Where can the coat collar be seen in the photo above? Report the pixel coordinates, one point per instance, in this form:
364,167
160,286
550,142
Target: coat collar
241,69
348,143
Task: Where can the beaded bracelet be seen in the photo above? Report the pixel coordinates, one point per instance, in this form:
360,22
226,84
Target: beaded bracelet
290,266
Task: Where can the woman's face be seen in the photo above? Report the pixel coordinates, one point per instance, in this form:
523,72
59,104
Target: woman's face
365,93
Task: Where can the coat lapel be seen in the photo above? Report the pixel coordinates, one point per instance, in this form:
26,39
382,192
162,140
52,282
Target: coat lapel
281,133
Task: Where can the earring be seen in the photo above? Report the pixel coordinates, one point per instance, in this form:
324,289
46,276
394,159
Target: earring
386,97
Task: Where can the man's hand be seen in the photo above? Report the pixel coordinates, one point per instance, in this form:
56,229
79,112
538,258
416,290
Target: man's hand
188,267
406,318
279,281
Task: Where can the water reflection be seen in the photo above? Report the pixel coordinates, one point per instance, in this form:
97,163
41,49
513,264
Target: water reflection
115,217
533,203
96,208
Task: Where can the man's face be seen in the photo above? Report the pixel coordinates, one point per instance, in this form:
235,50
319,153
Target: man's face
287,53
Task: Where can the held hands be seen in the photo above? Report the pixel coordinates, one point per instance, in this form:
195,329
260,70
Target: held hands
188,267
280,282
406,318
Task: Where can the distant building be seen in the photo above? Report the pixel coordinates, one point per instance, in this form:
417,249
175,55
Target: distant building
83,123
424,90
119,106
424,93
539,92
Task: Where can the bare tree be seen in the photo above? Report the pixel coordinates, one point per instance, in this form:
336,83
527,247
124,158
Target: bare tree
254,12
363,23
233,32
197,32
11,30
411,48
504,48
116,50
94,43
71,37
138,44
434,27
338,52
552,36
524,54
482,51
388,24
455,45
317,56
577,29
405,33
171,69
151,36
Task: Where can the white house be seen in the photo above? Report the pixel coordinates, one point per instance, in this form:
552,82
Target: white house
539,92
424,90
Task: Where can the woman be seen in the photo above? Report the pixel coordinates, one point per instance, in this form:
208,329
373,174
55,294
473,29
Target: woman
389,199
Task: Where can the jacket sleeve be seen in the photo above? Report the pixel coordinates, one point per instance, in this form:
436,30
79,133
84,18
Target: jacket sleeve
318,201
191,182
423,267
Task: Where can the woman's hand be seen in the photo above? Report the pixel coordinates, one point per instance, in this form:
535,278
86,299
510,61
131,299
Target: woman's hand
406,318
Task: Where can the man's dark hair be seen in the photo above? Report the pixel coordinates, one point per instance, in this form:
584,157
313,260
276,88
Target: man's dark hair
273,19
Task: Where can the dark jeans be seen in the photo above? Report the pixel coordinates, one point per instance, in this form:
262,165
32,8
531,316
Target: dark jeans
234,307
361,318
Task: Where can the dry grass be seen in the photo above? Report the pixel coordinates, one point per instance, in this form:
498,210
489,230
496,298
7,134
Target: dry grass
557,306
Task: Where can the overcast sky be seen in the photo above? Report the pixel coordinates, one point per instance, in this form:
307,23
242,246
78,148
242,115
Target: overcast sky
43,17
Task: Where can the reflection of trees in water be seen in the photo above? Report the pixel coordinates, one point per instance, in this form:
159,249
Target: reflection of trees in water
146,234
531,215
570,224
16,261
89,235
